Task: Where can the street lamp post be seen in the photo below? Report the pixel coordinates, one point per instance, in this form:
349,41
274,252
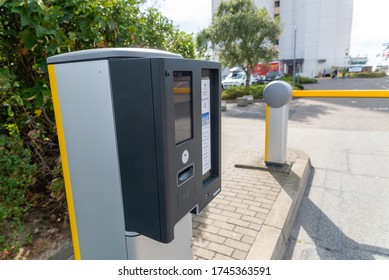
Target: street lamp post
294,56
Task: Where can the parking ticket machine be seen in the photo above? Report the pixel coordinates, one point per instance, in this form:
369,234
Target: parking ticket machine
139,134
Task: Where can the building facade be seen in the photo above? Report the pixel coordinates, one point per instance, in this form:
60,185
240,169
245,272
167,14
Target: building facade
320,28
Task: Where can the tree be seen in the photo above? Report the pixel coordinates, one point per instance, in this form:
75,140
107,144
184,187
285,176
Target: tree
241,34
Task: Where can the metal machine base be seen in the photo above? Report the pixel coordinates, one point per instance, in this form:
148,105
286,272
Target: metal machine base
144,248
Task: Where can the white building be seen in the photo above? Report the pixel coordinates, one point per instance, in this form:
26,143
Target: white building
322,29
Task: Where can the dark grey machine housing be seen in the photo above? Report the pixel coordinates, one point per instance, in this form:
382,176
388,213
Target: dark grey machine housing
159,123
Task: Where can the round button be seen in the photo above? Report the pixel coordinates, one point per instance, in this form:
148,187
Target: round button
185,157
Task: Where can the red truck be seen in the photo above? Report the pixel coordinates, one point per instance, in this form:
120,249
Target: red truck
266,72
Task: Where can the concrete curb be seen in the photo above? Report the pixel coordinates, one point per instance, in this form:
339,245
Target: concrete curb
61,250
270,243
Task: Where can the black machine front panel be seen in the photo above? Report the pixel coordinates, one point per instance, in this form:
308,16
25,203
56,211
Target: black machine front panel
161,135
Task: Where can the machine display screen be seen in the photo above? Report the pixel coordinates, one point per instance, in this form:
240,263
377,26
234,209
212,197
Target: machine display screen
183,105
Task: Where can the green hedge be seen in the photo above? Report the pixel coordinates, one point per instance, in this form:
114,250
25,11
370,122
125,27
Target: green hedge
255,90
234,92
300,80
298,86
16,175
368,75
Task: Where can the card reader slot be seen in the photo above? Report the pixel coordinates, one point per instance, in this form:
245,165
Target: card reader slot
185,174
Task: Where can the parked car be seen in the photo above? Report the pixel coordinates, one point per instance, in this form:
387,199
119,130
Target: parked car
259,79
271,76
236,78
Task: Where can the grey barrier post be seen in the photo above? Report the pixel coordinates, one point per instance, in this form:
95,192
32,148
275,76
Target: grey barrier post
277,95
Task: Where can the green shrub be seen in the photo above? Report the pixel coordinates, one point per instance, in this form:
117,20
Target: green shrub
234,92
299,80
298,86
13,235
16,175
306,80
255,90
367,75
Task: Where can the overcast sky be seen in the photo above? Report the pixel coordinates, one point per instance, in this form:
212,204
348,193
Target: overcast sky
370,28
190,15
370,22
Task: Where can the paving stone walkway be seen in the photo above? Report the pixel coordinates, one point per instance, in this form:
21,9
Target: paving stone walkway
228,227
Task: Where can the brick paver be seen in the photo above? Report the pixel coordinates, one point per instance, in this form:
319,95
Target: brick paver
227,228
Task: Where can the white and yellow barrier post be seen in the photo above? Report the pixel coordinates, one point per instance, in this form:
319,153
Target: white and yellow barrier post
277,95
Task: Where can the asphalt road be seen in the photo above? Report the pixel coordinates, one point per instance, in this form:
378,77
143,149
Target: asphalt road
339,83
344,213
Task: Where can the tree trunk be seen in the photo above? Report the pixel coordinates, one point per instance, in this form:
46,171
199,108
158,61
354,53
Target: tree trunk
248,75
